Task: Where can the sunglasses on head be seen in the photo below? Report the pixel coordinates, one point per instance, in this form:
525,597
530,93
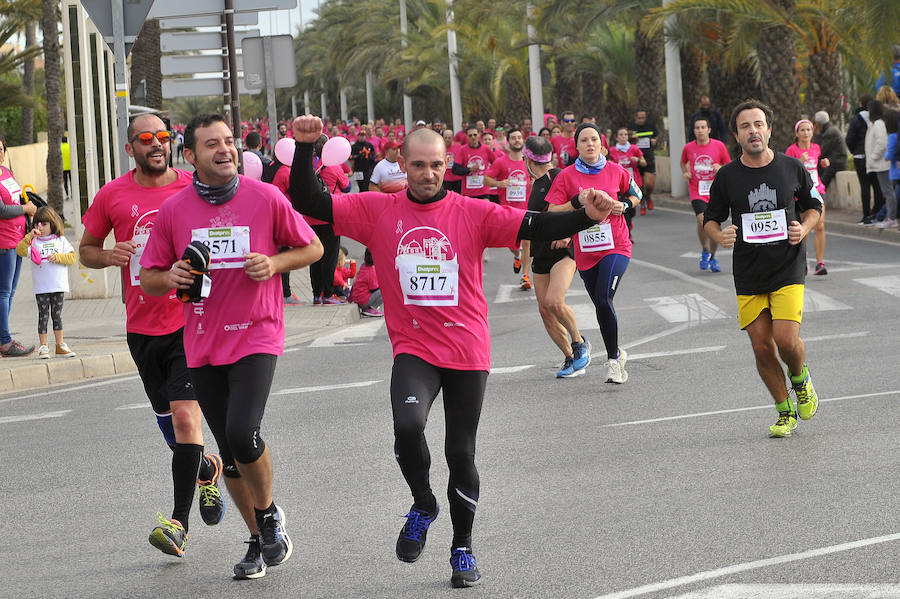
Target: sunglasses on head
146,137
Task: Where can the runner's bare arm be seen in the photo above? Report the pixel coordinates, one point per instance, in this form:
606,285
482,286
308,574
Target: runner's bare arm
797,231
94,256
724,237
160,282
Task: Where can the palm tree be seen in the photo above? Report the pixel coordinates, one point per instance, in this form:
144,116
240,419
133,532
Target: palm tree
145,64
53,84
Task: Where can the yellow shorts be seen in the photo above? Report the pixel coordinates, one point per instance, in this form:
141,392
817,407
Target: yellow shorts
784,304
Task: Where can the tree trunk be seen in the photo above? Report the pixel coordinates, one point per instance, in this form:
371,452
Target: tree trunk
778,79
727,89
145,65
28,84
53,83
649,63
824,92
691,82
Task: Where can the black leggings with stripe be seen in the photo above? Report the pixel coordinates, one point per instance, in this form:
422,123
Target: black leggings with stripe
414,386
601,281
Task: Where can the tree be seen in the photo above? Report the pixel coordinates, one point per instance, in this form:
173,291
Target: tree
53,86
146,57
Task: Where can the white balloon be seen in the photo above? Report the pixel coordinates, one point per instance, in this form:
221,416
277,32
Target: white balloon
284,150
335,151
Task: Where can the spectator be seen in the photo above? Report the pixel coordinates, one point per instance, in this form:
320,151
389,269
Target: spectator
362,160
717,127
254,145
877,163
887,97
856,143
345,270
67,164
894,81
365,292
833,147
891,118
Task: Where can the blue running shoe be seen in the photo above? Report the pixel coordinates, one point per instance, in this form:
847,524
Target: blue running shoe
582,354
568,369
704,260
275,545
411,542
465,570
714,265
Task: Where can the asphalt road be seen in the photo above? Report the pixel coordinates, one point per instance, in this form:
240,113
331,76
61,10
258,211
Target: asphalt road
666,486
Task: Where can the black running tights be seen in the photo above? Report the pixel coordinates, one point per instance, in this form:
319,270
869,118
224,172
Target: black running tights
414,386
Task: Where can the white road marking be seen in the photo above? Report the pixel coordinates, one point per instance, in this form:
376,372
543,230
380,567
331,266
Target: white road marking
354,333
512,293
134,406
692,307
744,567
585,316
796,591
814,301
838,336
889,284
326,387
677,352
719,253
735,410
27,417
55,390
655,336
698,281
859,238
510,369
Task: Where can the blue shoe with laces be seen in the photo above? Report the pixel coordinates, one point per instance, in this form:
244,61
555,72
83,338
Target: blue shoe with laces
714,265
581,354
411,542
465,570
704,260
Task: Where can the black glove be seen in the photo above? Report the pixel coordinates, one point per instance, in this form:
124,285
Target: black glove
197,255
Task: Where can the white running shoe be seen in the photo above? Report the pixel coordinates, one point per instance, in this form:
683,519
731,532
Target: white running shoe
615,369
44,352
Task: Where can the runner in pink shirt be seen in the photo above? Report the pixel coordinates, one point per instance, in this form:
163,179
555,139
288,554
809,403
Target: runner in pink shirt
451,182
427,245
471,162
701,159
128,206
603,251
810,154
234,319
509,175
628,156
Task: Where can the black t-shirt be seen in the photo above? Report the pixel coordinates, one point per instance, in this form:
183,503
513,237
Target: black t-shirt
541,250
739,189
362,153
646,131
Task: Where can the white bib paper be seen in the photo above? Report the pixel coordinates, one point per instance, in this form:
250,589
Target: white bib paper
643,143
703,187
474,181
357,176
228,246
597,238
515,193
428,282
764,227
11,186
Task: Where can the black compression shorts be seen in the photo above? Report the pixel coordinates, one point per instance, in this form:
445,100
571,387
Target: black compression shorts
161,363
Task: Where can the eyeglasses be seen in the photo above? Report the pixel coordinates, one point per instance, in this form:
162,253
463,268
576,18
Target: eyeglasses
146,137
473,135
568,120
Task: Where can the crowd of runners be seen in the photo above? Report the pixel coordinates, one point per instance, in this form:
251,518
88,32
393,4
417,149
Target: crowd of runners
199,254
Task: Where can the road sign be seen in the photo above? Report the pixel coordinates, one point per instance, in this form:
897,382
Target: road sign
282,51
134,13
196,63
180,8
199,40
188,87
244,18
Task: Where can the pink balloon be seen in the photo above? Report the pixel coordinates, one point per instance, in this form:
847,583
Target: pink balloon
284,150
252,165
335,151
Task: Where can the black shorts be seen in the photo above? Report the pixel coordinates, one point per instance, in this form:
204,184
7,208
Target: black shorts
699,206
543,265
650,168
163,368
453,186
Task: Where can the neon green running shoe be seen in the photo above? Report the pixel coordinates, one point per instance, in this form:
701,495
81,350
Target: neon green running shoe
169,537
783,426
807,399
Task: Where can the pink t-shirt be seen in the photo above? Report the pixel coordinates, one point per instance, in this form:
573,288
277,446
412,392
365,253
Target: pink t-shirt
607,237
624,159
452,152
460,137
564,148
241,316
505,168
478,160
810,159
129,211
335,178
429,263
12,230
701,160
364,284
377,143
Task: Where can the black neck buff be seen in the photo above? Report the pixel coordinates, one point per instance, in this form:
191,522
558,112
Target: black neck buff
216,194
438,196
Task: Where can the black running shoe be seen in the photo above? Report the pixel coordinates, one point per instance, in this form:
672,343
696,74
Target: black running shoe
411,542
465,570
212,506
252,566
275,543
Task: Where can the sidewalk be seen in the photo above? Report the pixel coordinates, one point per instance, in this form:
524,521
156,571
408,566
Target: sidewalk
95,330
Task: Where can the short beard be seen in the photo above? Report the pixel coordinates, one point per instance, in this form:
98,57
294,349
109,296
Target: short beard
145,166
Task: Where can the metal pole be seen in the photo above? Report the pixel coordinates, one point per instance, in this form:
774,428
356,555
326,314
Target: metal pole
534,74
235,94
343,104
455,101
306,103
226,80
324,101
293,106
407,101
268,58
370,97
675,106
117,9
